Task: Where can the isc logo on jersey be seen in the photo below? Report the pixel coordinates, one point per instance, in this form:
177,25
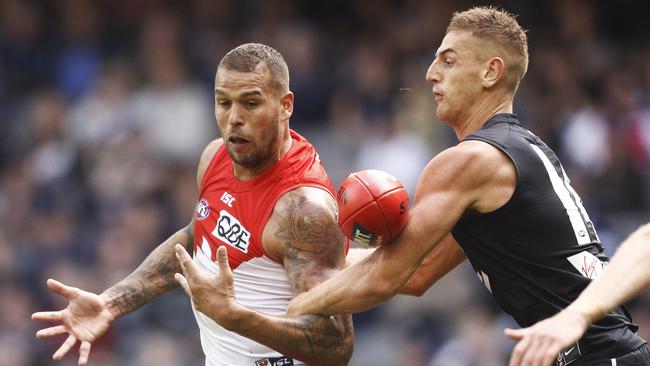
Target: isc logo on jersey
232,232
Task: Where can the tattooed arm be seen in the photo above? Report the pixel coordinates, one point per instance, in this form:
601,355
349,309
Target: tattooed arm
305,232
154,277
88,315
302,233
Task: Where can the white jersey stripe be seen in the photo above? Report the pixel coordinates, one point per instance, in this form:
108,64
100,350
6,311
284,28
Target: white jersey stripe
575,217
261,284
578,201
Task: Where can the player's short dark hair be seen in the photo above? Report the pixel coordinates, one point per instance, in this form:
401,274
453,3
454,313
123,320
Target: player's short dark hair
247,57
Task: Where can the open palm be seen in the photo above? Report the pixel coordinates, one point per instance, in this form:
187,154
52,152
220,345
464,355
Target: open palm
85,319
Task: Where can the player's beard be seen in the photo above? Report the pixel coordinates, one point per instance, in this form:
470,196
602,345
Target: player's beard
260,153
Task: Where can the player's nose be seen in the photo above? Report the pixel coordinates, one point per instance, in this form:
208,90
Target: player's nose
432,75
236,115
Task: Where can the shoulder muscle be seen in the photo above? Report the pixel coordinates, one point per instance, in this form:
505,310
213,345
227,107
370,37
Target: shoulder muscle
303,234
483,174
206,158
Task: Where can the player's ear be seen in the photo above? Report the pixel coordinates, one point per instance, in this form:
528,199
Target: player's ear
493,72
286,105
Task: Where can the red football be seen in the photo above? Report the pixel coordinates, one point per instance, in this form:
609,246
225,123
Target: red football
373,207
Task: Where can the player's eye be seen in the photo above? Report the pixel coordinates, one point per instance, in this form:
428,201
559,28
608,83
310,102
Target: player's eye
223,103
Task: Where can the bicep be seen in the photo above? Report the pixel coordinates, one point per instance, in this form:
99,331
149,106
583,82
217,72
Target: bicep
446,190
304,231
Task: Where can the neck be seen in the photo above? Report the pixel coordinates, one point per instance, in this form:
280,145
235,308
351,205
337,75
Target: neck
243,173
480,113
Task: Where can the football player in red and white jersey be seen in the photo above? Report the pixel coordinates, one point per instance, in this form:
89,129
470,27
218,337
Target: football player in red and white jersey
265,228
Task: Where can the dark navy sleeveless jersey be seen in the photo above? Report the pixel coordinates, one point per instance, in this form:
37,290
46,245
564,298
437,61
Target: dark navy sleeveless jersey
537,252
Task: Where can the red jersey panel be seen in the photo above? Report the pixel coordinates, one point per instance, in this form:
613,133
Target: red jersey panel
234,213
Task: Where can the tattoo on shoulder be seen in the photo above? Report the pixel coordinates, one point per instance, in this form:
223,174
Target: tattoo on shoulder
309,234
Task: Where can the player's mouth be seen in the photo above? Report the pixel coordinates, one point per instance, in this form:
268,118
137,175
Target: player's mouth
238,141
438,96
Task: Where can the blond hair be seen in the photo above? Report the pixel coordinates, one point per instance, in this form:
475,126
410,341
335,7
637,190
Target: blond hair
500,27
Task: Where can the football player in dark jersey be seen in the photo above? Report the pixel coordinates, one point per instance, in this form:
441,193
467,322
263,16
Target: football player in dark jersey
499,198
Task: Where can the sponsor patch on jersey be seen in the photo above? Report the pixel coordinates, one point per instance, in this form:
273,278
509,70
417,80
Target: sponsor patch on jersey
202,209
232,232
568,355
587,264
274,361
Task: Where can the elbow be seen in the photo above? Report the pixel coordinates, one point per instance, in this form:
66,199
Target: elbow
345,351
343,359
337,348
417,285
414,288
645,232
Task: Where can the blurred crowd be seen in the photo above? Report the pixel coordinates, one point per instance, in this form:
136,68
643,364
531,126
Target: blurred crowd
106,106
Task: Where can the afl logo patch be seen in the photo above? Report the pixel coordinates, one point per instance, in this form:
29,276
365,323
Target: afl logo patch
202,209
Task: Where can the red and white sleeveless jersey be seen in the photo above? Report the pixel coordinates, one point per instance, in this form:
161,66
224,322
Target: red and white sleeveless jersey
233,213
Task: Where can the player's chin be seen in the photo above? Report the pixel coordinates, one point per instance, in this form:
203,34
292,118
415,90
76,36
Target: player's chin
441,112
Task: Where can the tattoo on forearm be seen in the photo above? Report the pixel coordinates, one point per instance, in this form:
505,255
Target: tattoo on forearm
154,277
327,338
151,279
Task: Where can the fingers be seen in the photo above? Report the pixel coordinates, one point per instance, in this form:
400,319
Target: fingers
183,282
84,353
61,289
48,316
187,265
51,331
65,347
514,334
534,351
519,352
537,352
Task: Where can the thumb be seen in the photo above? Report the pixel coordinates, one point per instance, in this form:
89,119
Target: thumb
515,334
294,306
183,282
291,309
222,258
61,289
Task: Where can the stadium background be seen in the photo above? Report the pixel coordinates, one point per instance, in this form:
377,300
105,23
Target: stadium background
106,105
